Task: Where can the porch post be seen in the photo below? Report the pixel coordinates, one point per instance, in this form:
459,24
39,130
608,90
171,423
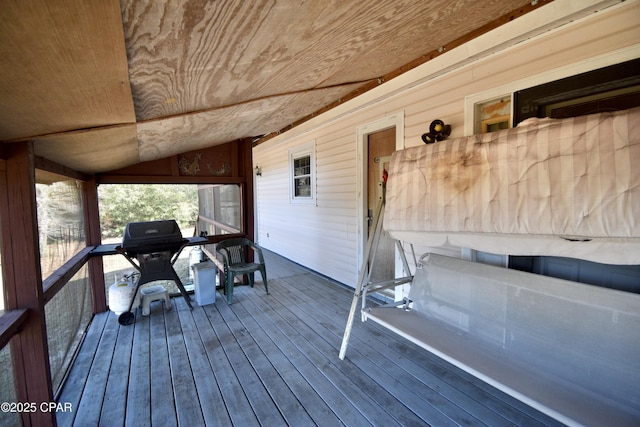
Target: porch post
92,227
23,281
247,172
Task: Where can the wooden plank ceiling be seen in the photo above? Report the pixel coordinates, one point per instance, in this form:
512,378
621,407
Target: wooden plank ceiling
102,84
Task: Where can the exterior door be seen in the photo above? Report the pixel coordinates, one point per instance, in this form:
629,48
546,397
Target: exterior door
380,146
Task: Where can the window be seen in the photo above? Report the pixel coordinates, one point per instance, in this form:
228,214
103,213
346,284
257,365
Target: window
493,115
302,167
615,87
302,176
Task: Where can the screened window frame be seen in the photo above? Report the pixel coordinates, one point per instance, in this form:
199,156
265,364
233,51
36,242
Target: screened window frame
304,151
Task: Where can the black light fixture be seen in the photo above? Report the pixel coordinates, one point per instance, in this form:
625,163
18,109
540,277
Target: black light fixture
437,132
258,170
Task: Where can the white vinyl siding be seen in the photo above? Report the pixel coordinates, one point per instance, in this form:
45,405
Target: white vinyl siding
324,236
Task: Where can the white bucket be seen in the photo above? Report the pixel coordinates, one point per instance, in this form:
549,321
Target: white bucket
205,282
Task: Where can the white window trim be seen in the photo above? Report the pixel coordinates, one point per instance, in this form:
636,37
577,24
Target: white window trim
307,149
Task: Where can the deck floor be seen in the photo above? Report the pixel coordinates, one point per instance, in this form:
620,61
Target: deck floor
271,360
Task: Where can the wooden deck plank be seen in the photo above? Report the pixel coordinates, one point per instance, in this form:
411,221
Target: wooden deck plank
431,368
139,391
311,372
113,405
74,385
259,399
421,400
304,340
272,360
187,403
503,414
366,384
233,399
455,384
163,410
315,406
284,399
209,396
405,369
91,403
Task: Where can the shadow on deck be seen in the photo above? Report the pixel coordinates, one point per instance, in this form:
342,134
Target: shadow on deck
271,360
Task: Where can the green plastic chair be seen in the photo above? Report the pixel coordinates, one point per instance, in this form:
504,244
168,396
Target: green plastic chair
232,252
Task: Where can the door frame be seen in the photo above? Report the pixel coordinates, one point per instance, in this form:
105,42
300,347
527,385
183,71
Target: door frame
396,120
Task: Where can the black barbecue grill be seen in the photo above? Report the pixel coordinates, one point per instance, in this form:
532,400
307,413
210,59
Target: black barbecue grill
155,245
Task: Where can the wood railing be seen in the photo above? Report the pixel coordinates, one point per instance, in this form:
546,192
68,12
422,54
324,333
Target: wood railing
56,281
12,320
10,323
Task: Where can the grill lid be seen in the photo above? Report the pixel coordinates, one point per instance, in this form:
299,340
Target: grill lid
152,236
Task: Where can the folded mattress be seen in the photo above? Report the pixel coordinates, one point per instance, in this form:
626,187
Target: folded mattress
560,187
